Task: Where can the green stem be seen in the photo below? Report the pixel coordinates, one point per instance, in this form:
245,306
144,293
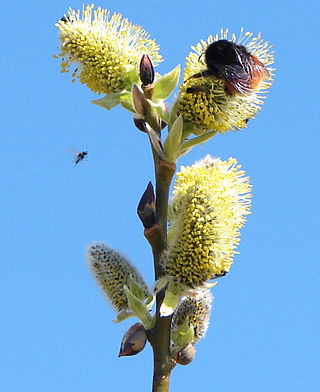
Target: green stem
161,384
159,336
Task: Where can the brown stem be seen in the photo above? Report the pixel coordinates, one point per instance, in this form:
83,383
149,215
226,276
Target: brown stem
159,336
164,174
161,384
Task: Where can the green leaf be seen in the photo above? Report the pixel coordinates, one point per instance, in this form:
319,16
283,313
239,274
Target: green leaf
161,284
173,140
132,76
164,86
126,102
183,335
159,108
173,113
171,300
123,315
111,100
139,309
196,140
150,301
136,290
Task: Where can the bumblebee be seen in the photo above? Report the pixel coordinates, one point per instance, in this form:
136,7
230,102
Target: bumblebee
242,71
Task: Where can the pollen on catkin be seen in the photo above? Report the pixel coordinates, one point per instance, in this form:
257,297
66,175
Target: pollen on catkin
112,271
210,106
103,48
210,201
197,308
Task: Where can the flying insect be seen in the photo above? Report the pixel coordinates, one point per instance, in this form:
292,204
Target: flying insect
79,155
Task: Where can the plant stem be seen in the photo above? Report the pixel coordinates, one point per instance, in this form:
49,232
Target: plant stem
159,336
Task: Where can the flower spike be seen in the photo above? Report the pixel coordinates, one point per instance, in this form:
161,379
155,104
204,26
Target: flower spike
113,272
210,201
106,49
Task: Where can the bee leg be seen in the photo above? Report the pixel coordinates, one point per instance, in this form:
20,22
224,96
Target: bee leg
216,276
196,89
204,74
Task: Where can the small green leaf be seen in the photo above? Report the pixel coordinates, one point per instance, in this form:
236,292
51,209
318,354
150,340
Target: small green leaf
187,145
174,288
126,102
132,76
150,301
159,108
183,335
171,300
110,101
173,113
123,315
161,284
136,290
156,143
164,86
173,140
139,309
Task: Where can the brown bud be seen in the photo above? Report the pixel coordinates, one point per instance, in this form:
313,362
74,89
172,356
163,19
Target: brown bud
133,341
147,208
163,125
140,124
146,70
139,102
186,355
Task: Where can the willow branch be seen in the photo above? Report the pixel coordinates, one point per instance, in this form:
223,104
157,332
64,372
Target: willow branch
159,336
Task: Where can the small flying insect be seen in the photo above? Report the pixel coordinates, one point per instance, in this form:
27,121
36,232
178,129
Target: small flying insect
225,60
79,156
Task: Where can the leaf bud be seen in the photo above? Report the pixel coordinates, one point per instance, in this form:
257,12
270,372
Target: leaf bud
147,208
186,355
146,70
134,341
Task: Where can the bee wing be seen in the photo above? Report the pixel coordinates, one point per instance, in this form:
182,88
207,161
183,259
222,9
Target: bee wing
238,78
258,71
253,68
76,155
74,151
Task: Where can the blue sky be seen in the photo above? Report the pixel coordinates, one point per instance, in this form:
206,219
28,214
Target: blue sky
56,329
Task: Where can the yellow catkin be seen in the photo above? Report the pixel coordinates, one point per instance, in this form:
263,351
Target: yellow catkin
103,48
210,201
210,107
